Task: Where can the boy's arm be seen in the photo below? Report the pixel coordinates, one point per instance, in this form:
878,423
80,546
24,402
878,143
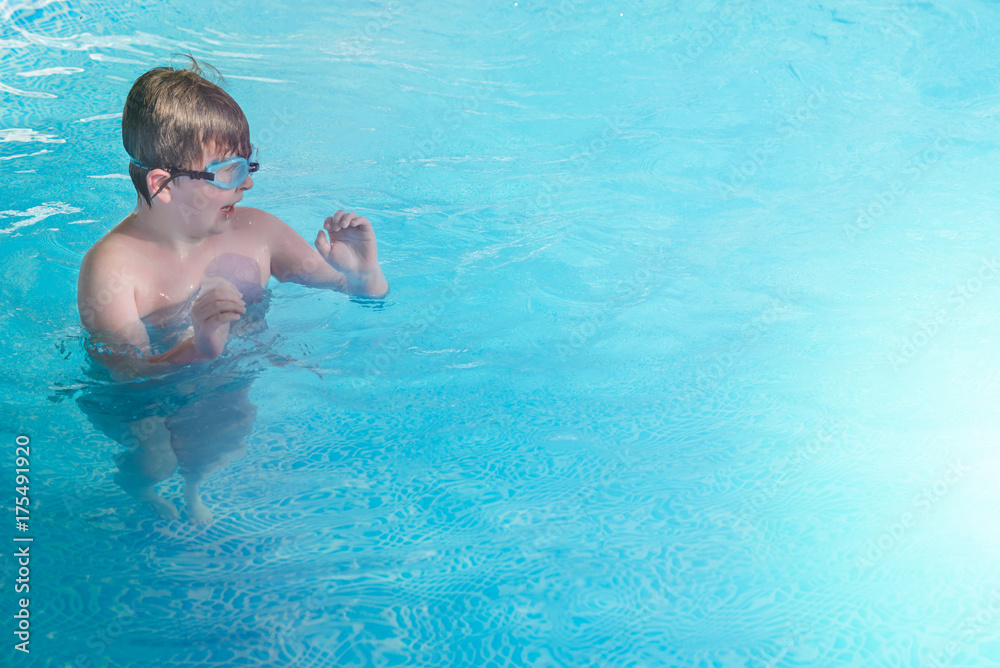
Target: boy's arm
347,261
106,300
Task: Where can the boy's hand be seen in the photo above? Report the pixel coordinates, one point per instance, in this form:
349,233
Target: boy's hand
346,261
351,249
218,304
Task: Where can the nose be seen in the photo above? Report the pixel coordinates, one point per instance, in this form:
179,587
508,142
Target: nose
246,185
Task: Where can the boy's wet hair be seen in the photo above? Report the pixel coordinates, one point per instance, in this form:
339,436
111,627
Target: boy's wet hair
171,115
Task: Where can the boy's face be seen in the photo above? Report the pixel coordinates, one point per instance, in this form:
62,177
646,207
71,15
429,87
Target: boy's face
204,209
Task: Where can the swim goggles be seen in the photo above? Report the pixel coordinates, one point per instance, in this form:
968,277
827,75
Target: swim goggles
228,174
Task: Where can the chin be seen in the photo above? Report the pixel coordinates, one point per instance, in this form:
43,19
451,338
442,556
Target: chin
221,225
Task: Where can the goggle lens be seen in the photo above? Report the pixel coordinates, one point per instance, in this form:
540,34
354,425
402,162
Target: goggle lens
232,172
229,173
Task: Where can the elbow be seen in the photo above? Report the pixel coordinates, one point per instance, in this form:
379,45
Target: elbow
125,361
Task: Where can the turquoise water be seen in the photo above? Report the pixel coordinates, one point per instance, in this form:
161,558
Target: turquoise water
689,358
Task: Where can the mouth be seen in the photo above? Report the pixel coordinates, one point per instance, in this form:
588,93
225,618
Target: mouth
227,210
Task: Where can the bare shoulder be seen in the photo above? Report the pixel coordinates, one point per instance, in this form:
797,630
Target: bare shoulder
113,253
250,220
105,290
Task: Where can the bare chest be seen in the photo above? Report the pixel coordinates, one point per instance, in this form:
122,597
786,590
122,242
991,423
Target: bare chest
165,291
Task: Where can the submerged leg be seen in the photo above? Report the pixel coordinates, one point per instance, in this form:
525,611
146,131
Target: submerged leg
133,417
150,460
198,512
205,436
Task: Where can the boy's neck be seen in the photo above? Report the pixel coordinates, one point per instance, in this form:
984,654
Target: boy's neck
158,225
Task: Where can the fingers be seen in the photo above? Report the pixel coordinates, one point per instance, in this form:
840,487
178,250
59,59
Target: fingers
228,306
344,219
322,244
220,301
213,282
221,319
217,305
224,291
213,318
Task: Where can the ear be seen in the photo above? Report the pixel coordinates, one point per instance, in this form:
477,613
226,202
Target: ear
156,178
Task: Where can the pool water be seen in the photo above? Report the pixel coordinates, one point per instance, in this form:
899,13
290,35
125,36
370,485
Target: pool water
689,358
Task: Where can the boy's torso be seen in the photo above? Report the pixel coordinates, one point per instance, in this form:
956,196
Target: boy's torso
166,283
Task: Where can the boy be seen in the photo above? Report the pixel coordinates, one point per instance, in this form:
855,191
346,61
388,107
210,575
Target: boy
186,262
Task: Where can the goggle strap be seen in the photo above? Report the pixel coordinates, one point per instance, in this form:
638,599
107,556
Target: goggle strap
250,168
